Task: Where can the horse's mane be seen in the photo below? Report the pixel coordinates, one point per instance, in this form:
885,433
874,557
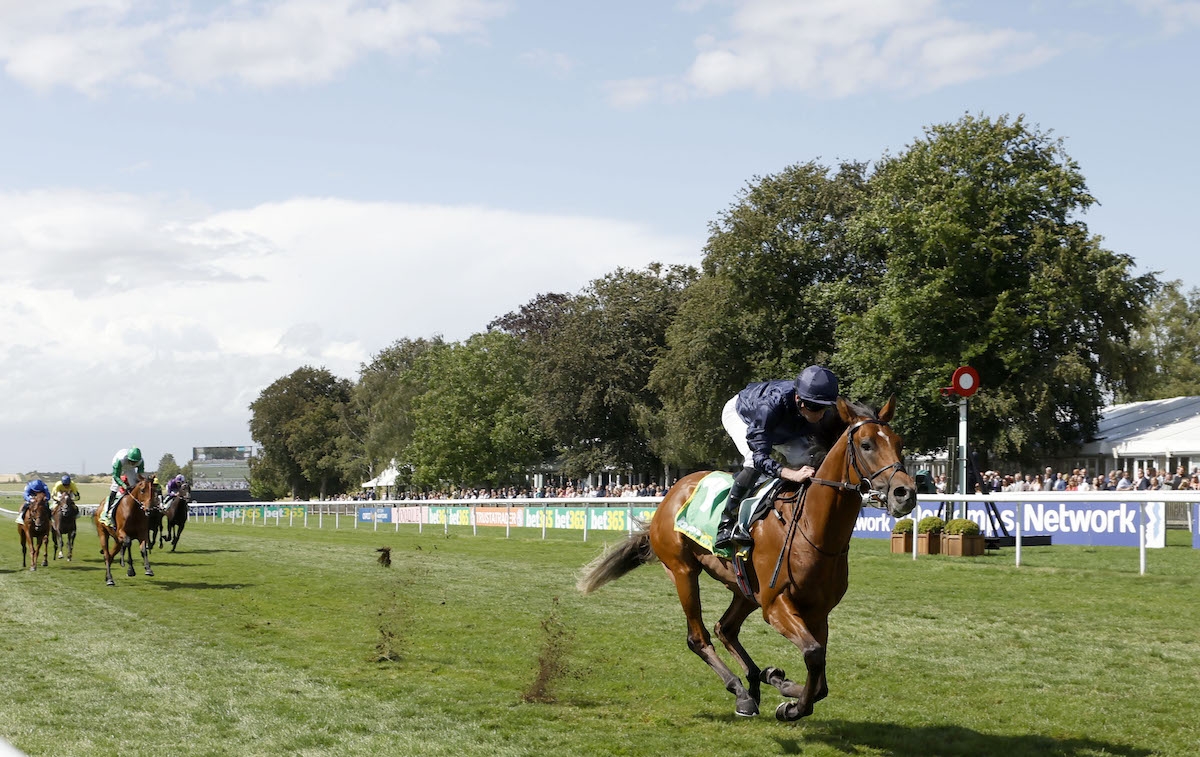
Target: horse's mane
832,427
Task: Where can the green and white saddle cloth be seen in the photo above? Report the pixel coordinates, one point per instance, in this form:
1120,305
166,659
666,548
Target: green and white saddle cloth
700,516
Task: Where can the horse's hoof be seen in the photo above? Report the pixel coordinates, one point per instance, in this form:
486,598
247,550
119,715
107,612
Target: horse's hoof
110,582
747,709
149,572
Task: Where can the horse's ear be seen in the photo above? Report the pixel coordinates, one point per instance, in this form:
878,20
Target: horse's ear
845,411
889,409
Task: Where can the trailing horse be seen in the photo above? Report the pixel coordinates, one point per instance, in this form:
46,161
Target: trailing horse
177,514
154,518
131,518
797,581
62,526
35,529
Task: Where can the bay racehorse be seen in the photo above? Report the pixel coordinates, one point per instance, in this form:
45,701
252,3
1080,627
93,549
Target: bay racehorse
177,514
131,518
62,526
35,529
812,571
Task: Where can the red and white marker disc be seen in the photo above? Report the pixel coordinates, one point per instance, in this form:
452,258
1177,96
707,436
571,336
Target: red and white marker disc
965,381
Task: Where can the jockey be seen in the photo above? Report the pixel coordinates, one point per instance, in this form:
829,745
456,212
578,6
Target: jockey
174,486
127,467
66,486
32,488
783,415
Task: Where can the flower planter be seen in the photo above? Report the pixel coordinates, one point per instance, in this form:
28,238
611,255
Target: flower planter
962,545
902,543
929,544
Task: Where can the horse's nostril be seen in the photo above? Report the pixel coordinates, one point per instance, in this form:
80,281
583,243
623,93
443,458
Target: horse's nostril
900,492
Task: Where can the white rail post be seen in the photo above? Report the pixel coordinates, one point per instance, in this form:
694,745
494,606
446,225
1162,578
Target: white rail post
629,518
337,519
916,514
507,520
420,519
291,517
355,517
396,517
1141,538
545,513
585,521
474,520
1020,525
243,516
374,518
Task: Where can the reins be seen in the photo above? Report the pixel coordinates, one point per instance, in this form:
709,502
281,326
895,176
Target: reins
863,487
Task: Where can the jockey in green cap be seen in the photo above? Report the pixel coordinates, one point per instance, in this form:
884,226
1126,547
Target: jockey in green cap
127,467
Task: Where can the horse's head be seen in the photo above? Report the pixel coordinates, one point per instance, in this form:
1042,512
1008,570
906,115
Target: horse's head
874,456
143,493
39,512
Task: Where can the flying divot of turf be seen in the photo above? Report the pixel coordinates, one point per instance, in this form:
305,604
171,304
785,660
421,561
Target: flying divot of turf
552,665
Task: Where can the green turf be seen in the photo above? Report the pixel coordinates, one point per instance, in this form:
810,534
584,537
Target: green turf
262,640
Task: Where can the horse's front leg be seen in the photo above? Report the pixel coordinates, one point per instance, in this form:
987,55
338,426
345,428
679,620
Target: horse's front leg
145,558
727,630
127,549
45,550
698,640
70,546
810,635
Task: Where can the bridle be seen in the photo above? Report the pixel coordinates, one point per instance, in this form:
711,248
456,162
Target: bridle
863,487
865,480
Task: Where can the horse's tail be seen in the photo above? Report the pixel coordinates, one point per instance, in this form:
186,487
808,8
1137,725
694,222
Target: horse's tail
632,552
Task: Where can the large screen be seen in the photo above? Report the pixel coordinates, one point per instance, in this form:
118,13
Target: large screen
221,453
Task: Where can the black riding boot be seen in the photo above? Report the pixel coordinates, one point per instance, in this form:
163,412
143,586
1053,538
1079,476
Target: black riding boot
730,531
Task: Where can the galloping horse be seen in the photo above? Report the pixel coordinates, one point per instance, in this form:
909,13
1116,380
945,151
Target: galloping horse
177,514
866,458
62,526
131,517
35,529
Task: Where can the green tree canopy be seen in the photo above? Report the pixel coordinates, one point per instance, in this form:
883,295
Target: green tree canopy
294,423
474,423
1168,346
778,269
988,266
167,467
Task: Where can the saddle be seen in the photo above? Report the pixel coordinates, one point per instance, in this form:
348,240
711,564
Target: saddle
700,515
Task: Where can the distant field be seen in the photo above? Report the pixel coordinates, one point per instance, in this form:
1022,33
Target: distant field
91,493
264,640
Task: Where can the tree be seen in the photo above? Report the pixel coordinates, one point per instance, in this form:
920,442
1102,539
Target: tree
290,420
167,467
591,358
474,423
778,269
377,428
1169,352
986,265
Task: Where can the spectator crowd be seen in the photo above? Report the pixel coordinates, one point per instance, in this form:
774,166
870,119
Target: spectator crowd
1079,480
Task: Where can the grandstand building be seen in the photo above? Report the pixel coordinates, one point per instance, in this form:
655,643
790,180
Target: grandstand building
221,474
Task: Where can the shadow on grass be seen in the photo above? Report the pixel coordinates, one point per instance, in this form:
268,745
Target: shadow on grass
205,551
74,566
6,570
173,585
920,741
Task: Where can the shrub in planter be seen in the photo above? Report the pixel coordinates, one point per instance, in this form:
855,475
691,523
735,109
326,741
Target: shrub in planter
929,538
902,536
963,538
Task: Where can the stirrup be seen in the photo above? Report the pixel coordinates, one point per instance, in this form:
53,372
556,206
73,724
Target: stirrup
740,535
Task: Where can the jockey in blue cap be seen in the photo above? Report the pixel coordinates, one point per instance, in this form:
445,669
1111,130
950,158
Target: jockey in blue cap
32,488
782,415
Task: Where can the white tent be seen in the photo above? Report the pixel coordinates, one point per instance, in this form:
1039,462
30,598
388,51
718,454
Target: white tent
1149,429
386,478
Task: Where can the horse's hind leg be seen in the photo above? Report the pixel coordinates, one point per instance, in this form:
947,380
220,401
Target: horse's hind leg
127,549
727,630
70,546
45,552
810,635
687,585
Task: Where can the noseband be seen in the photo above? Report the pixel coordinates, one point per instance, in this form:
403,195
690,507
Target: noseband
865,480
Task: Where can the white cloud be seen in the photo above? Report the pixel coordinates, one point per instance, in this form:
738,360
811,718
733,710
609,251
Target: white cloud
1175,15
162,318
92,45
838,48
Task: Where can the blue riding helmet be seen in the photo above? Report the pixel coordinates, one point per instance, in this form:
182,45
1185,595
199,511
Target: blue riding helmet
817,385
66,480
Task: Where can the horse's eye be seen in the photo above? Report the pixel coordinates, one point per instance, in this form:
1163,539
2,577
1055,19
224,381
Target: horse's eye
866,446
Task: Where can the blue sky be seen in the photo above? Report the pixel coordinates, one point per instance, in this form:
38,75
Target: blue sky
197,198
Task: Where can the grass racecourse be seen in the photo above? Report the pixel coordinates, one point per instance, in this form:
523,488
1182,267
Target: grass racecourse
284,641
